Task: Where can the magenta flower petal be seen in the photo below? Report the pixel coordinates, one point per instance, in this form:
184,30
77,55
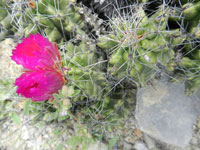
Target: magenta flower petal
42,63
36,52
39,85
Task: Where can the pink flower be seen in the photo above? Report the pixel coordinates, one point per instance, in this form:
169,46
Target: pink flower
42,64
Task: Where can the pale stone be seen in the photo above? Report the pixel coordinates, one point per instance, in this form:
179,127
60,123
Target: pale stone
164,112
140,146
9,70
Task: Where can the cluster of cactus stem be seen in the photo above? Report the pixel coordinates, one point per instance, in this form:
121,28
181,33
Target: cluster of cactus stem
135,49
141,47
58,20
88,74
5,19
190,63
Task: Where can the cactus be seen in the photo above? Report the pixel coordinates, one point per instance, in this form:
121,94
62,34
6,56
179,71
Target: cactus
104,74
189,65
85,71
100,96
192,18
5,19
86,66
59,20
139,47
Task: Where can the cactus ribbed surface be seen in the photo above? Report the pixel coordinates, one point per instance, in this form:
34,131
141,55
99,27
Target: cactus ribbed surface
59,20
141,47
138,44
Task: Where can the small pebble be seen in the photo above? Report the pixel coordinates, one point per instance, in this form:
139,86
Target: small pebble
139,145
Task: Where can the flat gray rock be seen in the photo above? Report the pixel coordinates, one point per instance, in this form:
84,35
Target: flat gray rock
166,113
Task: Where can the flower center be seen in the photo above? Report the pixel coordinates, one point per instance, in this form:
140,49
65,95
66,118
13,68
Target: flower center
34,85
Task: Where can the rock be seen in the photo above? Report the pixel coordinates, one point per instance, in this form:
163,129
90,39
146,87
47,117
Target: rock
139,145
149,142
24,135
195,141
164,112
127,146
